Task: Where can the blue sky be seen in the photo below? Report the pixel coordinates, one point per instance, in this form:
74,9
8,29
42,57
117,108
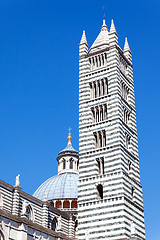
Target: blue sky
39,86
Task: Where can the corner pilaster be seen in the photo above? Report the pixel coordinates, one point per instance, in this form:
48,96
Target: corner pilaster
15,200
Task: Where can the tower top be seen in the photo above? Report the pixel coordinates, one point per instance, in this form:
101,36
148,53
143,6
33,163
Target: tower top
102,41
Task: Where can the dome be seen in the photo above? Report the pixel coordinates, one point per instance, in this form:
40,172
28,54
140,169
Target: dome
62,186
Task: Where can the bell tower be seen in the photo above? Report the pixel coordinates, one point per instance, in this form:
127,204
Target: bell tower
110,199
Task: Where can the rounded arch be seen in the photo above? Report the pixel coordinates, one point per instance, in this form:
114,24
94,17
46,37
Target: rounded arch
58,204
66,204
54,224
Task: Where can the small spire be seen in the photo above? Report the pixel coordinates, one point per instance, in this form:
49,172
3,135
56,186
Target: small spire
112,29
83,39
126,45
69,135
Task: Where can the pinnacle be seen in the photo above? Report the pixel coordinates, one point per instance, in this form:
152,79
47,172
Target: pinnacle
104,26
112,29
126,45
83,39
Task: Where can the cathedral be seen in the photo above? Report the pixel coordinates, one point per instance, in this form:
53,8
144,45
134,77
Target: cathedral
97,192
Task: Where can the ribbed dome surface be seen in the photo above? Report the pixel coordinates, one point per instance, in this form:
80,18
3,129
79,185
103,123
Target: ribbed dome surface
60,186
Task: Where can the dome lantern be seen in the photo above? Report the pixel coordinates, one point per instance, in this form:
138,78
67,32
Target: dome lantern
68,158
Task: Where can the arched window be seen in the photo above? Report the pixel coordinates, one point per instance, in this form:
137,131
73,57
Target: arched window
29,212
54,224
71,163
64,164
100,191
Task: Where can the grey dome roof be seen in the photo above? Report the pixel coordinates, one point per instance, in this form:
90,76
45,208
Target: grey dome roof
60,186
68,150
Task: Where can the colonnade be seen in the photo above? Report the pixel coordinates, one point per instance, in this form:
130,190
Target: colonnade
71,204
100,139
99,60
70,164
98,88
99,113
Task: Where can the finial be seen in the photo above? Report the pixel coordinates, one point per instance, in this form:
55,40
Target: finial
17,180
45,196
69,135
104,21
103,14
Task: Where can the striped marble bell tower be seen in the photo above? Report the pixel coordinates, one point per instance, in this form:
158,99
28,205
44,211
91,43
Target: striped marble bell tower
110,200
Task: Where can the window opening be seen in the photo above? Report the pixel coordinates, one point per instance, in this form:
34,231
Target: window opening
100,192
54,224
29,212
71,163
64,164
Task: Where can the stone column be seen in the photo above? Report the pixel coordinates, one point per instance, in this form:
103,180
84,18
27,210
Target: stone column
71,227
105,58
103,110
45,215
94,89
93,63
91,97
93,115
98,140
101,167
96,61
